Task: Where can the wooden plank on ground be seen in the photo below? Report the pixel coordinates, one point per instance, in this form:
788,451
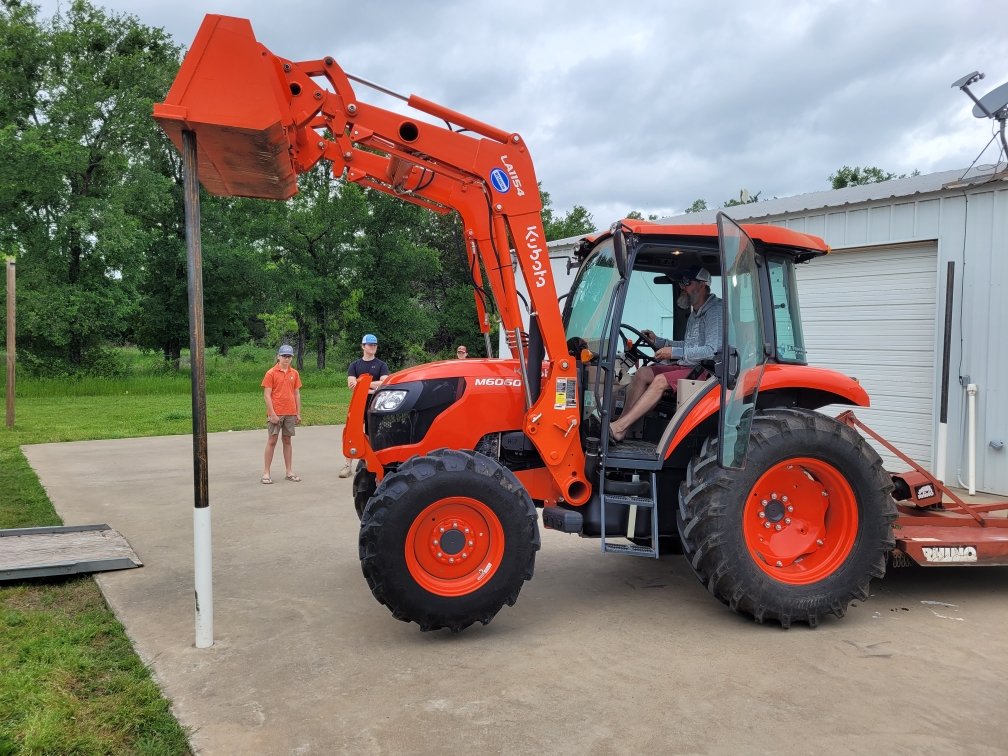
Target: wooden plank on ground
38,552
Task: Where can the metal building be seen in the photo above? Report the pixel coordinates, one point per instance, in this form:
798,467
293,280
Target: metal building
874,307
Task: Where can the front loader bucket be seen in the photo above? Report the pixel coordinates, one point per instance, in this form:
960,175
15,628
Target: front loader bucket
230,92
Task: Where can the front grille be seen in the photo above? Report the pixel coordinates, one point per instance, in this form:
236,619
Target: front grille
410,424
390,430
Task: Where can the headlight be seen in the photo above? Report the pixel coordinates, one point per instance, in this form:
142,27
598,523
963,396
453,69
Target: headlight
388,401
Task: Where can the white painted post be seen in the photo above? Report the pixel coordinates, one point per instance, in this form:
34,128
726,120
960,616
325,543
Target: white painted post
971,393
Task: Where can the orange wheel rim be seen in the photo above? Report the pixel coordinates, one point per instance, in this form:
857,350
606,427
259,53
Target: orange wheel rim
454,546
800,520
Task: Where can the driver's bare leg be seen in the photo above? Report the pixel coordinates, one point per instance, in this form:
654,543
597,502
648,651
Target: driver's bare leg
638,384
651,396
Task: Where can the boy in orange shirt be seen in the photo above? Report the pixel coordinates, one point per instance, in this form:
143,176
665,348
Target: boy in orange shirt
282,392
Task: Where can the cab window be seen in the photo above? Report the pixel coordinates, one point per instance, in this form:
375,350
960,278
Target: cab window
787,316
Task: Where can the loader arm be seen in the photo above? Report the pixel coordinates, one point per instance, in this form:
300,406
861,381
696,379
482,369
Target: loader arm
261,120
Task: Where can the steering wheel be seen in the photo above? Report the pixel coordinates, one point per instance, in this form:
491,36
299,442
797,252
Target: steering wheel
633,352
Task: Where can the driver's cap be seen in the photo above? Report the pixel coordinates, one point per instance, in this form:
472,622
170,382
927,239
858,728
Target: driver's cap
695,274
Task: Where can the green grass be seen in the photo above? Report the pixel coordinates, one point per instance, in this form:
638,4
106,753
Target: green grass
69,680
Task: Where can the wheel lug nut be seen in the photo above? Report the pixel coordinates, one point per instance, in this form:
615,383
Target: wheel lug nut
454,524
465,554
819,542
470,544
790,508
787,520
439,555
451,560
762,515
784,499
466,531
780,563
774,496
778,526
435,542
766,524
442,530
764,502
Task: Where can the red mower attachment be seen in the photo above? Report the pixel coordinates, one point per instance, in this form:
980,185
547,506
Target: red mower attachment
935,528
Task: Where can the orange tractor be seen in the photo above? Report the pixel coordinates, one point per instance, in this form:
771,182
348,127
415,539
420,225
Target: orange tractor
784,514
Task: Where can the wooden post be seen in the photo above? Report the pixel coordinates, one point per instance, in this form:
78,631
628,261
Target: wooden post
11,314
202,552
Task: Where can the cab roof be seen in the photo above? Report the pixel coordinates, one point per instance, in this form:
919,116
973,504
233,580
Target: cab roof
803,246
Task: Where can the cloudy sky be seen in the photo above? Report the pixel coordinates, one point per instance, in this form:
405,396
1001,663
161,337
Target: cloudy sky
651,105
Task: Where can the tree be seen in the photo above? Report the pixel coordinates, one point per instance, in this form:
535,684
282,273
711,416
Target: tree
451,287
313,246
74,166
638,215
576,222
744,198
697,206
858,176
397,269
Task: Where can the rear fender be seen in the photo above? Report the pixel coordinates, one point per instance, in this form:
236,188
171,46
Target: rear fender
804,386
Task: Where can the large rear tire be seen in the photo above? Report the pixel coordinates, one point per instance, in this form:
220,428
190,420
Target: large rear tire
448,539
801,531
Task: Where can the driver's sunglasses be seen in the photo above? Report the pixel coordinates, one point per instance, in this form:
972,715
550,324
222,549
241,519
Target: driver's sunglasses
461,351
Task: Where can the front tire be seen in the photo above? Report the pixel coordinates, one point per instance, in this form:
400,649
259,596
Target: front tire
448,539
364,484
801,531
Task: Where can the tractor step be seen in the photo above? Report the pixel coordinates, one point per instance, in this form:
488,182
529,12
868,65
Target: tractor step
630,501
630,548
628,494
564,520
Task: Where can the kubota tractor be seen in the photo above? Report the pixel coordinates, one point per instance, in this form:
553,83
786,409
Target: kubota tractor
784,514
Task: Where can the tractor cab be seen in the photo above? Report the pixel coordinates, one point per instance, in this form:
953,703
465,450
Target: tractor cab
628,283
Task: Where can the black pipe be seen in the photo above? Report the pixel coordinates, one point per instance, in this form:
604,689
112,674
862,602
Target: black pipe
194,260
946,348
534,359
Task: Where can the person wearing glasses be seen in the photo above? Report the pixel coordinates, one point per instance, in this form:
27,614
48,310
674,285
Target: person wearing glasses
282,392
462,353
701,340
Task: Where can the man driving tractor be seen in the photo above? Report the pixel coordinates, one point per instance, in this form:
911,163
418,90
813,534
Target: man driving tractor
701,341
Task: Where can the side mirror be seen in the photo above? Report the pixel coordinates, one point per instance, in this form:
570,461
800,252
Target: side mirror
619,249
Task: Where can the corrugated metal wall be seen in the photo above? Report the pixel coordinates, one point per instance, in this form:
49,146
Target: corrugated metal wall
970,225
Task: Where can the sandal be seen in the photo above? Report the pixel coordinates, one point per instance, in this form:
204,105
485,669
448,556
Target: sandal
293,478
266,480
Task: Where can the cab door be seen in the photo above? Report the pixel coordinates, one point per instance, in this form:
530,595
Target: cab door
743,340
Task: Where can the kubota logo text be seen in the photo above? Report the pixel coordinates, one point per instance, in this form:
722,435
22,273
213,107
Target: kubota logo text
535,253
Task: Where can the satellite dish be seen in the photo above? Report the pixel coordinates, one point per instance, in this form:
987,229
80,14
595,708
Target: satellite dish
967,80
992,103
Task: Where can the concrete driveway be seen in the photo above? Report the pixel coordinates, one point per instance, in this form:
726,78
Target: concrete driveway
601,654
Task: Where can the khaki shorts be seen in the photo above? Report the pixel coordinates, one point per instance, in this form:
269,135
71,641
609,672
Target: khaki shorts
287,423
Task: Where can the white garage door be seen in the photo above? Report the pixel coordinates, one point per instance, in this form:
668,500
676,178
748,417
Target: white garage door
870,313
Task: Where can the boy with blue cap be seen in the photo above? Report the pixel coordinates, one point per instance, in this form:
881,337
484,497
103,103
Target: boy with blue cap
371,365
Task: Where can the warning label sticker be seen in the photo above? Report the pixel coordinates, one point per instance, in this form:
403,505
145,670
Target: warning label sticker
566,393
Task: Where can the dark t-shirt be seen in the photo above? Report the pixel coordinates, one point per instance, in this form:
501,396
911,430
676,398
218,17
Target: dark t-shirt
377,368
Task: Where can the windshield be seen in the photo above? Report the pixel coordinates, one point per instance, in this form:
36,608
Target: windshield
588,320
591,297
